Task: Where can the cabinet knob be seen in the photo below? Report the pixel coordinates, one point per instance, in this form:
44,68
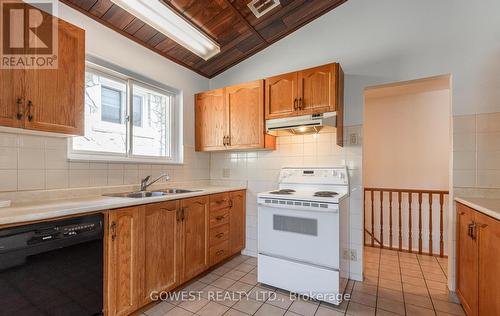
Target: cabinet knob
295,106
300,104
219,235
219,218
113,231
30,115
19,114
220,252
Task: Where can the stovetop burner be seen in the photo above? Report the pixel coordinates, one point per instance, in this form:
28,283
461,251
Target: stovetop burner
325,194
283,191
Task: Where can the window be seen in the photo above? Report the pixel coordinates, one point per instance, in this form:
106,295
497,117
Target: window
127,119
112,107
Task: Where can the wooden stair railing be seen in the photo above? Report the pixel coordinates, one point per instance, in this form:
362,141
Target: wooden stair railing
400,194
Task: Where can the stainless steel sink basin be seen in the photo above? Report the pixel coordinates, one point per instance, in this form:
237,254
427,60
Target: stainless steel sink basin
144,194
178,191
137,195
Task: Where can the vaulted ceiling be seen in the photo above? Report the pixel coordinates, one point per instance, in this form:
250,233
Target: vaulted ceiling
230,23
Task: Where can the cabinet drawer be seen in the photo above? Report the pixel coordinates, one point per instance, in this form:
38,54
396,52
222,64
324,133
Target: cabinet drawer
219,217
219,201
219,252
219,234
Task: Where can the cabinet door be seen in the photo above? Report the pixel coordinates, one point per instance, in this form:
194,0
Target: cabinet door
317,89
55,97
125,261
467,269
245,104
195,236
281,95
488,239
237,222
161,242
11,97
210,117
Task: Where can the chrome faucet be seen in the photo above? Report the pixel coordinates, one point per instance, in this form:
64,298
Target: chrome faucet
145,184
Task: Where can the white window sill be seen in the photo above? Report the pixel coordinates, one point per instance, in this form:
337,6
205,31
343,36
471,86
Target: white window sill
120,159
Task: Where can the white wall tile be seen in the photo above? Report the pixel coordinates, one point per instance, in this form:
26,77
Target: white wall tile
56,179
31,158
8,180
31,179
9,140
8,157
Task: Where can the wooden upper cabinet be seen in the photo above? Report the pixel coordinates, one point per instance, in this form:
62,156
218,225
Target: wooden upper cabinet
467,263
194,215
237,220
488,239
318,89
309,91
211,118
232,118
125,260
55,97
11,97
245,105
281,95
161,242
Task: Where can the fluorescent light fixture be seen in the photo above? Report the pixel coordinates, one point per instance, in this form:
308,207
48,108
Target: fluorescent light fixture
162,18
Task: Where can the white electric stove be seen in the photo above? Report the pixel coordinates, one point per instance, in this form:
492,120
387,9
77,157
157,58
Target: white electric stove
303,230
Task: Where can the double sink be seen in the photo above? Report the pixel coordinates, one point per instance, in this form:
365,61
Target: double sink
145,194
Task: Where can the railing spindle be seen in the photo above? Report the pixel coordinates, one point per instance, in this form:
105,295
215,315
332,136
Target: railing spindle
441,243
410,241
420,222
430,224
381,219
400,223
373,220
390,220
364,216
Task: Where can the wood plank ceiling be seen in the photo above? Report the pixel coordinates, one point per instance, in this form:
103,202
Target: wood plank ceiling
229,22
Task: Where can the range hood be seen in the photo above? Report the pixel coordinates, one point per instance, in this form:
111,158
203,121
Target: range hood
304,124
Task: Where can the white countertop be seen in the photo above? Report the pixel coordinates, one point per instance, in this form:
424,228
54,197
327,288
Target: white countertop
488,206
40,210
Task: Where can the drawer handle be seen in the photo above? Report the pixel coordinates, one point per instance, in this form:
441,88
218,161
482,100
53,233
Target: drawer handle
221,201
167,209
219,235
113,231
220,252
219,218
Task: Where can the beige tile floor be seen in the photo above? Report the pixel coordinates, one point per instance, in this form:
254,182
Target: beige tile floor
395,284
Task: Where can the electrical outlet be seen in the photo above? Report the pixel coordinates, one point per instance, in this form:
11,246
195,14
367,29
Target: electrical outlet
226,173
346,254
353,255
353,139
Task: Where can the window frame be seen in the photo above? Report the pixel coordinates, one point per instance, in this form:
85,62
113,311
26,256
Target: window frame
110,71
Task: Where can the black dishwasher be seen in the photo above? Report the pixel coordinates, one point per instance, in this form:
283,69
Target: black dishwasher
52,268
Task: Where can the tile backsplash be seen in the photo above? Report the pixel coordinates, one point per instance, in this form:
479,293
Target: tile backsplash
476,151
30,162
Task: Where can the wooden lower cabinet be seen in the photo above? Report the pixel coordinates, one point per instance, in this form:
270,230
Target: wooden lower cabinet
195,236
237,222
162,236
157,247
478,237
125,260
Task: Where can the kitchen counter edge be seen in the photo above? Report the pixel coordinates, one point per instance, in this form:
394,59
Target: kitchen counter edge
52,209
487,206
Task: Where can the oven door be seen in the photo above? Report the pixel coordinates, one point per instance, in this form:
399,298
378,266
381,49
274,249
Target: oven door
311,237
